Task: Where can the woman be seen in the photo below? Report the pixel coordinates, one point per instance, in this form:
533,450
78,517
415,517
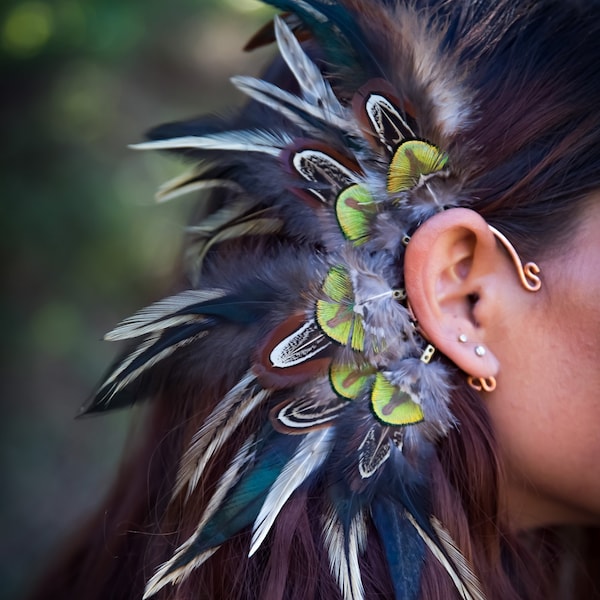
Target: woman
382,379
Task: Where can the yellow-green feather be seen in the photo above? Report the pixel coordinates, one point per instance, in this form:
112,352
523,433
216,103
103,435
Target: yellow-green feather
347,381
412,160
354,209
337,318
392,405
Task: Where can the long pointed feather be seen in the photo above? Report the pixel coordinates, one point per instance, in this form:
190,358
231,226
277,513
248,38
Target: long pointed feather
252,227
165,574
173,189
240,401
344,548
297,110
465,571
404,547
243,456
469,589
231,213
338,32
266,142
310,455
150,352
239,508
161,314
315,89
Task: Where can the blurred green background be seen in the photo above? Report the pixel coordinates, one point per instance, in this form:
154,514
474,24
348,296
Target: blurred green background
83,243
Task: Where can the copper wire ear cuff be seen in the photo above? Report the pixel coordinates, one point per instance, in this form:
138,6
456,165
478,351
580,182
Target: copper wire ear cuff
529,276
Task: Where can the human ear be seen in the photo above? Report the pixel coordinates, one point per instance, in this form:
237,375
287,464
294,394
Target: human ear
455,278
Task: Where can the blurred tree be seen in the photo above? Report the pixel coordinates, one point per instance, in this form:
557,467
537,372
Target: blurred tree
82,244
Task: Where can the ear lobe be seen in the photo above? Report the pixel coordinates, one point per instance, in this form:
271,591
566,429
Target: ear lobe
454,286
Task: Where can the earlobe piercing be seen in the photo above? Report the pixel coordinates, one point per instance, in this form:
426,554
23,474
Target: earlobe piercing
479,384
479,349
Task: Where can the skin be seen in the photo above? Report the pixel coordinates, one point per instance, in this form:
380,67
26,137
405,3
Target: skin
542,347
546,408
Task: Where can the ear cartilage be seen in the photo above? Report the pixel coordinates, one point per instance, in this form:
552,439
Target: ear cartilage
528,274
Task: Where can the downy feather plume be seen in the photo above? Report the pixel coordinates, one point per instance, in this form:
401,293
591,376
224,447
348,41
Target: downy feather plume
298,276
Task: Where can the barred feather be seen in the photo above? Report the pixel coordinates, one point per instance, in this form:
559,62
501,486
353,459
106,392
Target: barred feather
168,573
450,557
344,546
311,454
190,182
163,314
239,402
266,142
236,507
467,578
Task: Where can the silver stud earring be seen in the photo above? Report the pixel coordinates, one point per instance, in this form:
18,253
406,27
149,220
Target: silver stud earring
480,350
462,338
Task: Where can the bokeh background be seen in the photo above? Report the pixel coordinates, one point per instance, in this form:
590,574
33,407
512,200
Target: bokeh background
83,244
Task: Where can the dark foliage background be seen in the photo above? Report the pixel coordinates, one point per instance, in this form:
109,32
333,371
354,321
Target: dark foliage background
83,244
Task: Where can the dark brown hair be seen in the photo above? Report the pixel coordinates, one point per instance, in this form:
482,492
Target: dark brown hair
533,69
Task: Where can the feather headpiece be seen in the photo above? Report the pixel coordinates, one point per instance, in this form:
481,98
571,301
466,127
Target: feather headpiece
321,191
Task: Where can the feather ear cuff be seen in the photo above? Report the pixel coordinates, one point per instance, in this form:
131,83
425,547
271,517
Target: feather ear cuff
335,385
